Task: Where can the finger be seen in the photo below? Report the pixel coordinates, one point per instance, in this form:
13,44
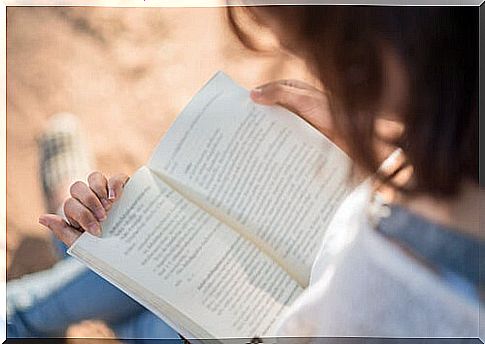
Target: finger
89,199
293,98
115,186
76,211
389,130
73,223
302,99
60,228
98,183
292,83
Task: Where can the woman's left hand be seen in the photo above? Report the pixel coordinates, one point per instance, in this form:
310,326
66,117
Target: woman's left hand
86,208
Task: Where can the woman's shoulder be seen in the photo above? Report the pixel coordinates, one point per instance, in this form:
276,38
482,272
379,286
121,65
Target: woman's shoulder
364,284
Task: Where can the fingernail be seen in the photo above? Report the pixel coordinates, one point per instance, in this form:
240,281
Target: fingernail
43,221
94,228
256,92
100,214
111,193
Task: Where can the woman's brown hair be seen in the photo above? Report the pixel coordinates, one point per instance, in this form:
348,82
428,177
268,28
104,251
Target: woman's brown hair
439,50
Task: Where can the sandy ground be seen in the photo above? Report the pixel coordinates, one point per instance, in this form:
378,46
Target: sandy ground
126,73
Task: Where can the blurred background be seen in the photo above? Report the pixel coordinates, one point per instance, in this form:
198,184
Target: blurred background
126,73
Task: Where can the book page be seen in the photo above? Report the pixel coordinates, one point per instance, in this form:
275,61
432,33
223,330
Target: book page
262,166
185,265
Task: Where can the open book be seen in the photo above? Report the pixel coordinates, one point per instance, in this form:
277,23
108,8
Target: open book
218,232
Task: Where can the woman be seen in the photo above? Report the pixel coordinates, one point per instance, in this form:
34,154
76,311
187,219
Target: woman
409,268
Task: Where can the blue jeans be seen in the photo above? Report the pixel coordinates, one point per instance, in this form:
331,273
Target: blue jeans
45,303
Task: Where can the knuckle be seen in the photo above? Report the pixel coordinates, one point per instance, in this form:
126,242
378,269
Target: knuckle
69,205
91,201
85,217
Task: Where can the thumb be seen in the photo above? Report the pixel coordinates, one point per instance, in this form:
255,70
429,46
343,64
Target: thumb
61,229
300,98
293,95
279,93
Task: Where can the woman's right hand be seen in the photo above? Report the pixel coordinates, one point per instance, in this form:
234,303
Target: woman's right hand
86,207
311,104
306,101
